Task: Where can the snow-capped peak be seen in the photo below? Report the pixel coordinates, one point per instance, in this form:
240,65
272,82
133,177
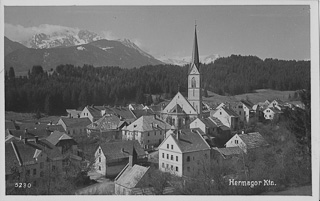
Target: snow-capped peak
181,61
64,37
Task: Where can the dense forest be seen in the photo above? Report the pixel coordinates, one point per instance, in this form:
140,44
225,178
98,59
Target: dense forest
69,86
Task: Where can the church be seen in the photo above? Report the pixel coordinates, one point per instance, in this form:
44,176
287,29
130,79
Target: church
180,112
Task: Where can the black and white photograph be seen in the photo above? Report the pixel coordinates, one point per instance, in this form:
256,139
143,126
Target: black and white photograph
160,99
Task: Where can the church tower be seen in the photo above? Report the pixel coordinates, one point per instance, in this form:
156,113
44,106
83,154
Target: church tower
194,78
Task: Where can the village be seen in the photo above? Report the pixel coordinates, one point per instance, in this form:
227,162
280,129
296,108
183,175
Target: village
124,147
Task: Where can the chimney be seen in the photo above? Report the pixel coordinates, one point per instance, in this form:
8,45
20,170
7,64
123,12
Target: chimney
178,135
133,157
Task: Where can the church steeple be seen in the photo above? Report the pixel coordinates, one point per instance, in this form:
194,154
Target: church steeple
195,52
194,78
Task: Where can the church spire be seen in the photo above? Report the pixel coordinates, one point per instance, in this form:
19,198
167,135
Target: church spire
195,52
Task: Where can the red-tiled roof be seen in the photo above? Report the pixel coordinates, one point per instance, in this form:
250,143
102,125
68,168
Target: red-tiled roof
189,141
121,149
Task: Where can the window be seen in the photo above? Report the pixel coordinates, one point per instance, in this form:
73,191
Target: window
236,141
171,146
53,167
162,155
240,112
163,165
99,167
220,113
41,165
148,134
167,156
99,151
41,174
171,167
99,159
148,141
28,173
193,82
177,169
176,158
167,166
34,171
269,115
172,157
167,146
188,158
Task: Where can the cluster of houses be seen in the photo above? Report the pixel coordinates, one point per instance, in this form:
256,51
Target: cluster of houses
180,136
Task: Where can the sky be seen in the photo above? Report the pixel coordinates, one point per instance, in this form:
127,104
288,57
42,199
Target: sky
280,31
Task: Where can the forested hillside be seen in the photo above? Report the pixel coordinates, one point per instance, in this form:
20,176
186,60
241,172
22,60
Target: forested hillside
74,87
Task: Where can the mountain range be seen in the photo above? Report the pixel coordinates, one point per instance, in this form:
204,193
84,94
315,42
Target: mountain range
79,47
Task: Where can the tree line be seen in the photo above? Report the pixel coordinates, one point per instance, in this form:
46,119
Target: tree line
70,86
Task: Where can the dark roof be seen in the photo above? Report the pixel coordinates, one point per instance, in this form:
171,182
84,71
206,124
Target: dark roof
121,149
248,104
105,123
253,140
131,176
41,126
10,158
138,113
155,108
217,121
76,122
195,53
73,113
10,125
123,112
30,133
208,122
95,111
57,136
190,141
137,106
177,109
229,151
230,112
147,123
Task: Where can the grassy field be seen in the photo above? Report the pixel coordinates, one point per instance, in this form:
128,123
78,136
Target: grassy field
258,96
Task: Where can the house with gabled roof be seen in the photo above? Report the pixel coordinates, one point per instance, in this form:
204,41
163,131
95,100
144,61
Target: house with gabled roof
244,108
184,153
31,159
149,131
247,141
227,116
72,113
277,103
109,127
272,113
112,157
74,126
65,143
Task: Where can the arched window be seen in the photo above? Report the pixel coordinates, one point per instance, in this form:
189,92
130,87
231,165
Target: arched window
193,82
